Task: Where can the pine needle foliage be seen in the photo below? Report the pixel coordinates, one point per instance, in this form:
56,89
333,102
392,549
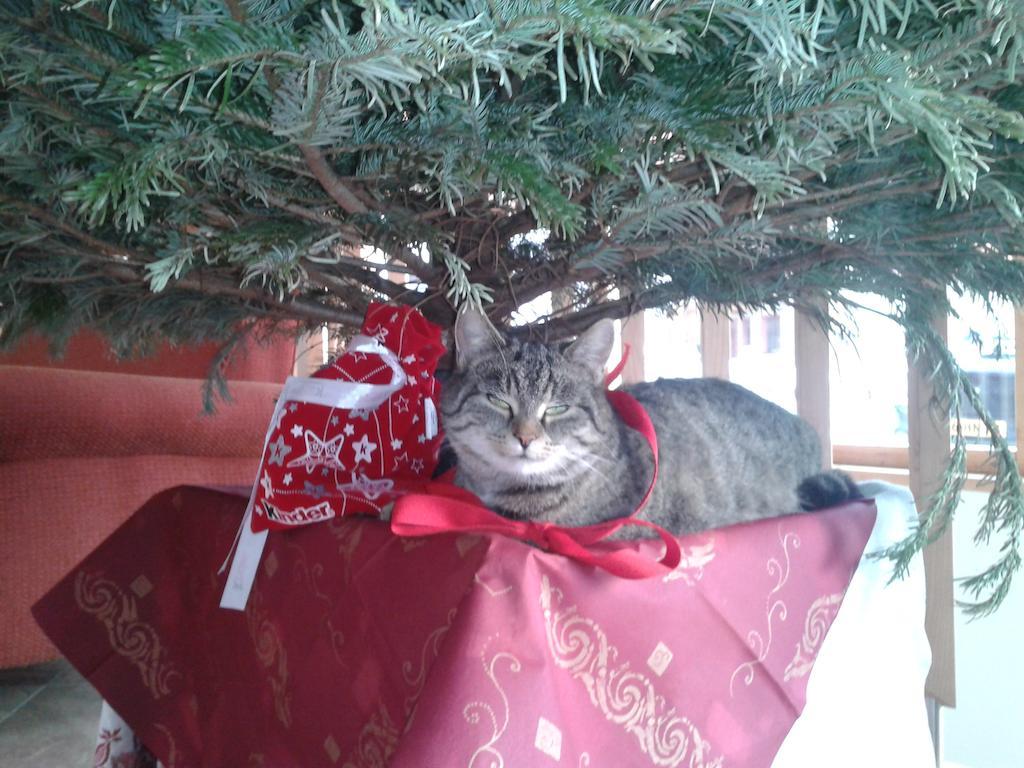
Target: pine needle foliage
200,169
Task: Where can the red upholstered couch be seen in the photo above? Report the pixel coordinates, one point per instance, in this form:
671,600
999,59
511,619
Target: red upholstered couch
85,440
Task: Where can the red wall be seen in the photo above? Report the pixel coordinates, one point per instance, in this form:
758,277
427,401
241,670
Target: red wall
88,351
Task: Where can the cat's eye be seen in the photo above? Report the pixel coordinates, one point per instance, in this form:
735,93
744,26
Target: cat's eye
555,410
498,403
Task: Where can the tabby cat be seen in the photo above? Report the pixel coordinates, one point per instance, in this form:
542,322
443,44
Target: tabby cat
535,438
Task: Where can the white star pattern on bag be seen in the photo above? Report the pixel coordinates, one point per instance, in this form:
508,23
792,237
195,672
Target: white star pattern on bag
297,431
371,489
349,430
416,465
287,479
268,489
278,450
399,459
396,444
421,439
320,453
364,449
402,404
316,491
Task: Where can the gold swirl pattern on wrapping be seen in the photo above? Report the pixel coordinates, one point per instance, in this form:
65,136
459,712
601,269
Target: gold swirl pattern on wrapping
136,640
409,544
625,697
379,736
691,563
310,576
271,653
816,624
432,645
377,741
172,748
760,645
349,536
489,590
475,711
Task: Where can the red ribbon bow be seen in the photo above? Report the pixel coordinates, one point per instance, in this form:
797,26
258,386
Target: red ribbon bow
449,509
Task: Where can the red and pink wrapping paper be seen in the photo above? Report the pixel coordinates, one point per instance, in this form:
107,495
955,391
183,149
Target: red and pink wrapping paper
361,649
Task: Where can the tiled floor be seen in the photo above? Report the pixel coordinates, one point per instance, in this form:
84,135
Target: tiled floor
48,717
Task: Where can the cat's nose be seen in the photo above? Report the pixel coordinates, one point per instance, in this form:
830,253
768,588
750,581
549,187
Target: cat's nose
526,431
525,440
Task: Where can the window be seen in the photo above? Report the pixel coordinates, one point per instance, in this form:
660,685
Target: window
672,344
772,326
983,343
769,370
868,373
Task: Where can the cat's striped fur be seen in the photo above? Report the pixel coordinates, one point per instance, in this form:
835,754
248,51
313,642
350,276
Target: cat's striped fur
536,439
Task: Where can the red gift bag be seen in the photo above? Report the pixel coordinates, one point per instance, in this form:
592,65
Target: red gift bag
362,431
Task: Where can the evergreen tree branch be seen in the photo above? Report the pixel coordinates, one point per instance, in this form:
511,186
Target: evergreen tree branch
181,169
329,180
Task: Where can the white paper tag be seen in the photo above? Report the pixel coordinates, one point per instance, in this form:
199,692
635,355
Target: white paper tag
244,565
430,419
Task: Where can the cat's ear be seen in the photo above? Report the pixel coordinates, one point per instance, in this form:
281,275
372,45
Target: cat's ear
475,337
593,347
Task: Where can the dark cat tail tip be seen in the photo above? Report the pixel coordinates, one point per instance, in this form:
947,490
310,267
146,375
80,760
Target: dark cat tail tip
827,489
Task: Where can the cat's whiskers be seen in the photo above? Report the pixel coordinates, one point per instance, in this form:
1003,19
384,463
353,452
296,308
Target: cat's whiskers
594,456
588,467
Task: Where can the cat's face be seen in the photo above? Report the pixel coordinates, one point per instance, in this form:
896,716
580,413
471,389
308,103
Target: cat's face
522,413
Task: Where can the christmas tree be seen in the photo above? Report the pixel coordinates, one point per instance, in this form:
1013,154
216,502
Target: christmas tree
206,169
